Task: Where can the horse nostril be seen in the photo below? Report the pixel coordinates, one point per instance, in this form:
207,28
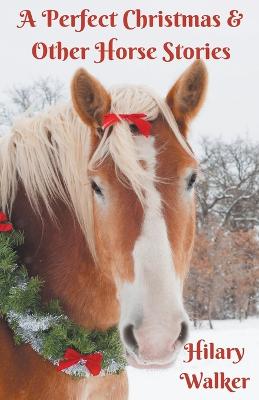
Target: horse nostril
129,337
184,332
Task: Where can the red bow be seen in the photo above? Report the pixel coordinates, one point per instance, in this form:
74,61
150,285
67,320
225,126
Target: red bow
5,226
142,124
93,362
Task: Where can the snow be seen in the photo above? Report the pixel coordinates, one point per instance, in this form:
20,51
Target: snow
167,385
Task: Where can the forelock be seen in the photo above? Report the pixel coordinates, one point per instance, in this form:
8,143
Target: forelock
133,100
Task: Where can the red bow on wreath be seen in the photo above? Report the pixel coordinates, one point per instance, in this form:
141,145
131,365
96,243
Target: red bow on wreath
5,226
93,362
142,124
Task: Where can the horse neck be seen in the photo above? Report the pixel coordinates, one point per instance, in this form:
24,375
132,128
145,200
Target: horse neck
57,253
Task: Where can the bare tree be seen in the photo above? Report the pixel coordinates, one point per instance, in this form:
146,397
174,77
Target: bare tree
229,190
224,276
30,98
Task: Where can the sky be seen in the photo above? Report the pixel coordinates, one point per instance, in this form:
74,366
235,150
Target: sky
231,107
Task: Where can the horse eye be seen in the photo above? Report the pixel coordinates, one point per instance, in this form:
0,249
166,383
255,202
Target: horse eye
192,181
96,188
134,129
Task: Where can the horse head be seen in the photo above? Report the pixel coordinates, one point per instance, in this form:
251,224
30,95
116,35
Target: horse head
143,204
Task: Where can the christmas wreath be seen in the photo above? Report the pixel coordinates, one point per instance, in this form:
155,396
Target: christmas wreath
71,348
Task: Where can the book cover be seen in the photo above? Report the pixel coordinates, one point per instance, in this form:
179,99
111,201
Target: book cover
129,192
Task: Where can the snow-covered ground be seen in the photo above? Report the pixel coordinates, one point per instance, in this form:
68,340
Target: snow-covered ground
167,385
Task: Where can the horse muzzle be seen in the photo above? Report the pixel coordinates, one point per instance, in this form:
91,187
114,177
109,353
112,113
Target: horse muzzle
150,346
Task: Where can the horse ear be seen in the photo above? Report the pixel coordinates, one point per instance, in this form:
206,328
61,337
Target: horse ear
91,101
187,95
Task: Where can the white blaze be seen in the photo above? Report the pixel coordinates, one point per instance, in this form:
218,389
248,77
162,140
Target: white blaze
153,301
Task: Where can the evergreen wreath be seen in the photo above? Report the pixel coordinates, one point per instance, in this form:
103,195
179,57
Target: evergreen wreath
71,348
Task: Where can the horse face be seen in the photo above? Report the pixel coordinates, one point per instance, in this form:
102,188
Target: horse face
146,245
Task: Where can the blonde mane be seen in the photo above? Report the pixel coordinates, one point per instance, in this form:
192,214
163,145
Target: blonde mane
49,155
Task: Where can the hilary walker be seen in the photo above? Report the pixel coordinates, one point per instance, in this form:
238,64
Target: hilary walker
208,351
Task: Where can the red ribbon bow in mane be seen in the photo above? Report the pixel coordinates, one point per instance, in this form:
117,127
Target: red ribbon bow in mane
142,124
5,226
93,362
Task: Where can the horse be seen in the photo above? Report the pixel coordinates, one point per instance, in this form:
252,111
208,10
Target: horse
108,216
